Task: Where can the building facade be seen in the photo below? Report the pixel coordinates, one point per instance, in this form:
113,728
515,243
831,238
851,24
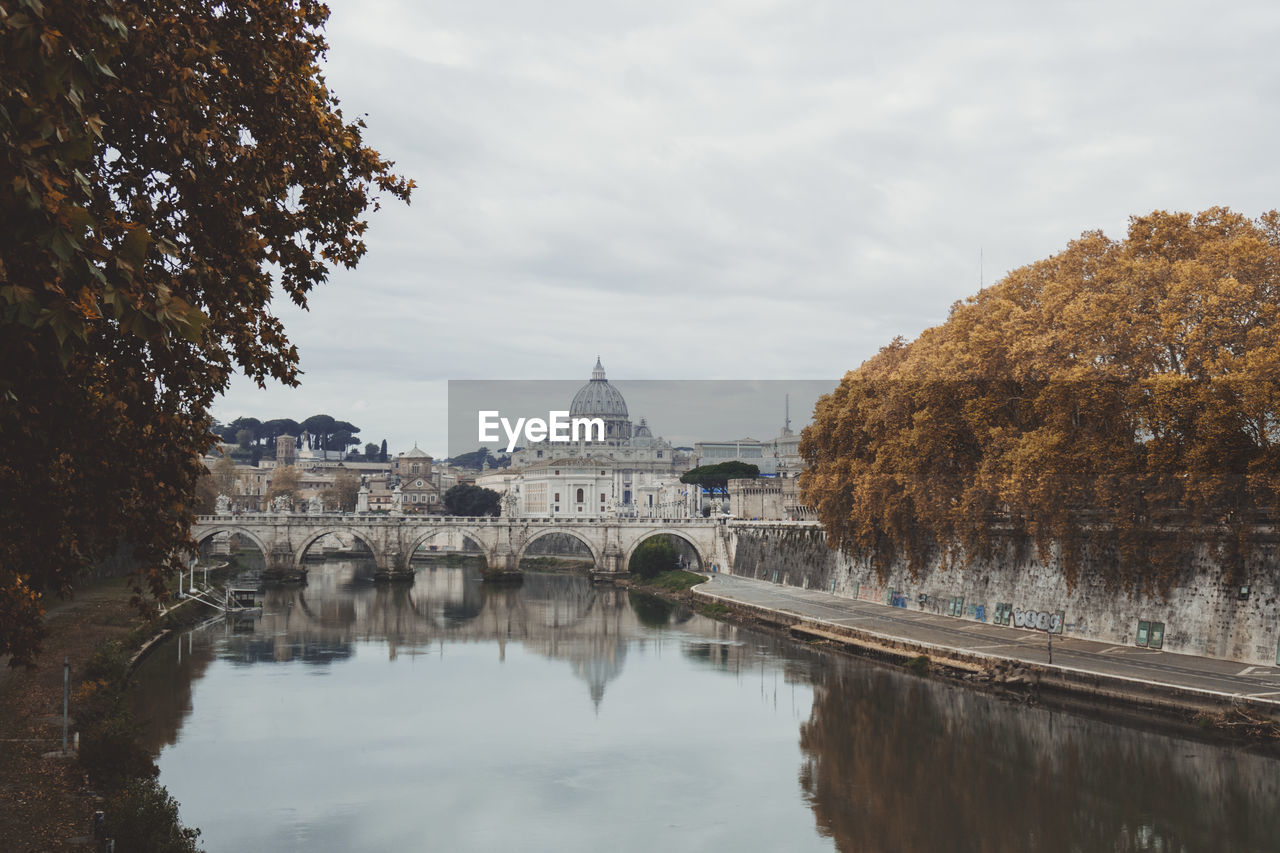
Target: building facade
420,491
623,474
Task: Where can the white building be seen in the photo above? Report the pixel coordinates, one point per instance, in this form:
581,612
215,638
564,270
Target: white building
631,472
577,487
748,450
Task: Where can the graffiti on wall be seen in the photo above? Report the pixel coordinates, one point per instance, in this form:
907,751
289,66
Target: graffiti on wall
1039,620
868,592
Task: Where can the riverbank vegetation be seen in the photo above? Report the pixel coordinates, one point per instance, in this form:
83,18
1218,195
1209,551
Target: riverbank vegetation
674,580
46,798
556,564
1113,404
654,557
169,166
139,813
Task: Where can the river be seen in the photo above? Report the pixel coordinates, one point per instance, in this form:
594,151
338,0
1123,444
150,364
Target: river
564,716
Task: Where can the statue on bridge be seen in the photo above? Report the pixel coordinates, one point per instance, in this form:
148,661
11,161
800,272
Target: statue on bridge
223,505
282,504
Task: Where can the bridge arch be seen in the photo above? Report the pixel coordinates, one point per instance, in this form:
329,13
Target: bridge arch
322,532
470,534
591,547
203,534
644,536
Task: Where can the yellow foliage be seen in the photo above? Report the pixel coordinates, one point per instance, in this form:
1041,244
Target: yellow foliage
1118,398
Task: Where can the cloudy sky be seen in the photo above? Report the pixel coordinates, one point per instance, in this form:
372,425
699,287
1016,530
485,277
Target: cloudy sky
746,190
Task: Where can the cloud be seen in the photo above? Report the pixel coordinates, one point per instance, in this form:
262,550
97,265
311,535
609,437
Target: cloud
747,189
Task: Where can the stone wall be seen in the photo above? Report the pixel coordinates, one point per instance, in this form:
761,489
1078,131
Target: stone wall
767,498
1201,615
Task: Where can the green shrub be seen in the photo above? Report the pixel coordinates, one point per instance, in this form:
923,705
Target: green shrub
143,818
918,665
109,663
653,557
110,752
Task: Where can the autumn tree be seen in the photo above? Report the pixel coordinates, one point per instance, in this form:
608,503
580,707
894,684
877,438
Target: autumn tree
1116,401
223,472
167,166
206,496
219,480
285,482
342,494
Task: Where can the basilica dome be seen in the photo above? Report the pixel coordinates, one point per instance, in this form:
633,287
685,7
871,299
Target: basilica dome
598,399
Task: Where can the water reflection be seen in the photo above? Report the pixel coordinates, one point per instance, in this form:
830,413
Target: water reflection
447,696
897,763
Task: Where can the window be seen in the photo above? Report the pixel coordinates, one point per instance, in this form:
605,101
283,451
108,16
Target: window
557,499
1150,635
659,454
602,497
1157,636
579,495
414,469
539,454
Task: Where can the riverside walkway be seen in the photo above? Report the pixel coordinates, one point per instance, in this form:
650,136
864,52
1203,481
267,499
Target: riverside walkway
945,637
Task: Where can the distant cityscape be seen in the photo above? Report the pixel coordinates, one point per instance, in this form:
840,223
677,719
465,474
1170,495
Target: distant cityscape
631,473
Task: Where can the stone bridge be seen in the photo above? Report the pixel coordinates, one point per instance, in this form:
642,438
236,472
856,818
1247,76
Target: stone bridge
285,537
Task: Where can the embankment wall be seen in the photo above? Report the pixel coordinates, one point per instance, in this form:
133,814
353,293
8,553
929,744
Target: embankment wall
1203,614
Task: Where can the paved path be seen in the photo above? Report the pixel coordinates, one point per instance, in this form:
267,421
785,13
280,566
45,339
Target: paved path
1220,677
